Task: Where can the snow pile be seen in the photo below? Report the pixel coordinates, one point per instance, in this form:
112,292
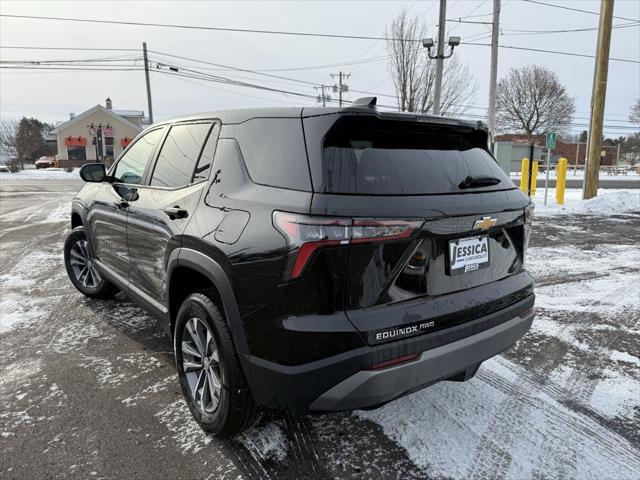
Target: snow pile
266,442
632,175
41,174
608,202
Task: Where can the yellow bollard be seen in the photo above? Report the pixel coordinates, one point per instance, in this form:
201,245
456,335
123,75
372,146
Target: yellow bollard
534,178
524,175
561,180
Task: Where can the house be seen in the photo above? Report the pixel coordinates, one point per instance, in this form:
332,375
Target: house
99,134
511,148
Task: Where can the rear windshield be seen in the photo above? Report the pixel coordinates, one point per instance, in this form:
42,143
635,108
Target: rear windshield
381,157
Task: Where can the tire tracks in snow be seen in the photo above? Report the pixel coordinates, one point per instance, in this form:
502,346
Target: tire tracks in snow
528,415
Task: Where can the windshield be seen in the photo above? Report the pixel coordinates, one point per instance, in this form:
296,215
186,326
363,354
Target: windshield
380,157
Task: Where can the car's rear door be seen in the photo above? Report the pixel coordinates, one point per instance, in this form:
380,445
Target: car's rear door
167,201
108,212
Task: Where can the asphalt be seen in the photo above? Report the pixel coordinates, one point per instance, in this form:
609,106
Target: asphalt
88,388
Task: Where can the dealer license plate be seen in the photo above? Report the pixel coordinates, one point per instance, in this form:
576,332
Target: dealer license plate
468,254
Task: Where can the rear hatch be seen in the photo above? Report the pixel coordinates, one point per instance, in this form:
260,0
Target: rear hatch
438,230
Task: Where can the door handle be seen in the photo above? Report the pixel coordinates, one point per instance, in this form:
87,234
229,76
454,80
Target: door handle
175,213
121,204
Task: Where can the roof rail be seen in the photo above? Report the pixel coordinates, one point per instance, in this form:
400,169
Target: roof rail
365,102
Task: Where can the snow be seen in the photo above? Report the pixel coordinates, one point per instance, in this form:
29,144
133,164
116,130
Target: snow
504,424
607,202
579,175
266,442
41,174
616,395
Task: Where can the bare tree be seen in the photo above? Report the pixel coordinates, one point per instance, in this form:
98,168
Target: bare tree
458,87
631,149
532,100
634,116
406,59
413,72
8,131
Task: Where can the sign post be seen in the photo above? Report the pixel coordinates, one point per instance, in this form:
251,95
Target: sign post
551,144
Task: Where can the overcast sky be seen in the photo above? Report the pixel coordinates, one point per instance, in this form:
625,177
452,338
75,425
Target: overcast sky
52,95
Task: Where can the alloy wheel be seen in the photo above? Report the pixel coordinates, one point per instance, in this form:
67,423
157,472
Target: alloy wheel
201,365
83,266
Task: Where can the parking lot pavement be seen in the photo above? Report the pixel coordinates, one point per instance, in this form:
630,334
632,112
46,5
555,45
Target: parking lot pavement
88,388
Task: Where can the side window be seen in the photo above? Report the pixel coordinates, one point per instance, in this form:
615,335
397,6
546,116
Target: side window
206,159
274,152
179,154
130,167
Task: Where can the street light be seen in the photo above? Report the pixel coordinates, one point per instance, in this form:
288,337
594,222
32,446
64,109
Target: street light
428,44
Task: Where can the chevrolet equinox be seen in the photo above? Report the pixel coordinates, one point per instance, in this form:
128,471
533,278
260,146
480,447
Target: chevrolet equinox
310,259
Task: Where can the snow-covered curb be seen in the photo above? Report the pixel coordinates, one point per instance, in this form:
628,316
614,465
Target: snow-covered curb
41,174
608,202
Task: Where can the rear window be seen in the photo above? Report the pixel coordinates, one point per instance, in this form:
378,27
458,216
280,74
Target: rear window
381,157
274,152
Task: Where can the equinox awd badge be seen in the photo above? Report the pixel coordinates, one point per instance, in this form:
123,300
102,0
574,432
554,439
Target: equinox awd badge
385,335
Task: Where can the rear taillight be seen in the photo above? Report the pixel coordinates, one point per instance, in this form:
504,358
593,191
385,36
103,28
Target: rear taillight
306,233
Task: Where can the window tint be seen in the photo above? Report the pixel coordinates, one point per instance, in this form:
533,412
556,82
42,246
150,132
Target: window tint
179,154
378,157
206,159
274,152
131,166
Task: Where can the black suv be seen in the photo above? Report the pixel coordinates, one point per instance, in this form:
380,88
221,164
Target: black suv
310,259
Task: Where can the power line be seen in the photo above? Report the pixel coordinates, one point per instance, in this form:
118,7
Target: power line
290,69
303,34
280,77
199,27
589,29
202,76
556,52
22,47
256,72
577,10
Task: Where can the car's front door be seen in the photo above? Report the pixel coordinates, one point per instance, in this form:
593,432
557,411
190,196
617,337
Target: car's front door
167,201
108,212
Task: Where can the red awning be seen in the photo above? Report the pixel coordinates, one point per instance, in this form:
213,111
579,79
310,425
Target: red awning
75,141
125,141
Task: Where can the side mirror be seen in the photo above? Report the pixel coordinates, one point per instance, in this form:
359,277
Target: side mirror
93,172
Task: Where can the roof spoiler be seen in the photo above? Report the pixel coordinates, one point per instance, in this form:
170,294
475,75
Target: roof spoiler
369,102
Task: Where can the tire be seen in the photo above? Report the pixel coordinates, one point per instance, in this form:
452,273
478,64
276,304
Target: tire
228,407
81,270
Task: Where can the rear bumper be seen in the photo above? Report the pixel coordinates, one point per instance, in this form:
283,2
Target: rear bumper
344,381
375,387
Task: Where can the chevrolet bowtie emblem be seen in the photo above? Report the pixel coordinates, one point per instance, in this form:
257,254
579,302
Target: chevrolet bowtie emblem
484,224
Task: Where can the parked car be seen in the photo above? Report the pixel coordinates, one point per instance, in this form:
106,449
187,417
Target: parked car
46,162
310,259
4,168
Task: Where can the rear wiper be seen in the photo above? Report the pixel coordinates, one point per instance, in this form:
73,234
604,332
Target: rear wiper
472,182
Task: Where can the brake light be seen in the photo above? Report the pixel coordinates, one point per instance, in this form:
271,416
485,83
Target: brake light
307,233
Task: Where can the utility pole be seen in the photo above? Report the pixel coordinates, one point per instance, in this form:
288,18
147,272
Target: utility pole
323,98
146,76
598,99
340,87
493,79
440,57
